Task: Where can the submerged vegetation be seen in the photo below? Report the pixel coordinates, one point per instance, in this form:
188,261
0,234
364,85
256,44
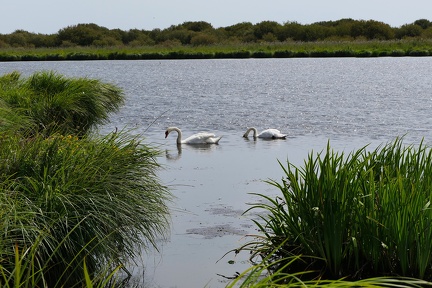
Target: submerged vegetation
200,40
75,206
351,217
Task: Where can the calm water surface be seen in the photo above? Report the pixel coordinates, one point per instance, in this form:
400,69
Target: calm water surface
350,102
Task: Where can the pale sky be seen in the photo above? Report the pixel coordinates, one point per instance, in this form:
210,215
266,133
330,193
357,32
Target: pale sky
49,16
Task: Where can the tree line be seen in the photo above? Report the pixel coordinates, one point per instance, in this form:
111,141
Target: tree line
200,33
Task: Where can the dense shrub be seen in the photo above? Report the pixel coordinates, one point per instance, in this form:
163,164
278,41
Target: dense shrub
234,54
418,53
283,54
59,104
363,215
262,54
71,199
201,33
75,206
82,56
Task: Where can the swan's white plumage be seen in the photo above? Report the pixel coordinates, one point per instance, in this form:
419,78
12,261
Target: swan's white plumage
199,138
266,134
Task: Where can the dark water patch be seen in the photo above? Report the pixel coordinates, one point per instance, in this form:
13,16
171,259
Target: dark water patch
216,231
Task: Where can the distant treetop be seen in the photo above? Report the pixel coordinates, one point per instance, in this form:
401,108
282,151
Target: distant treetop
203,33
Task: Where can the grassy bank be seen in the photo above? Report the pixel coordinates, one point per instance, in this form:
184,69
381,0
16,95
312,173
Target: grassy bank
290,49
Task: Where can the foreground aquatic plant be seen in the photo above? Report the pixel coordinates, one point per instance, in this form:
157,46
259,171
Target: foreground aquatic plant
28,271
97,199
73,207
365,214
257,276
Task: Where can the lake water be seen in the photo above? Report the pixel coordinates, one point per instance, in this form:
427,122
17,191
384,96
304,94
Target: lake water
351,102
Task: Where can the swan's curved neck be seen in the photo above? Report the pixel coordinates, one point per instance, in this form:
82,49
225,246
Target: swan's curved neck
254,130
179,134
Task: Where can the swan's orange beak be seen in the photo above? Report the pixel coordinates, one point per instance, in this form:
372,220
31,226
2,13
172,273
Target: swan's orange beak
166,134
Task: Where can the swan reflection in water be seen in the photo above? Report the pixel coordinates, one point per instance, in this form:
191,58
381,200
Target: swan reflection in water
176,155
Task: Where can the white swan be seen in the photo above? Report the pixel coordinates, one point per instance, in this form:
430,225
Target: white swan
199,138
266,134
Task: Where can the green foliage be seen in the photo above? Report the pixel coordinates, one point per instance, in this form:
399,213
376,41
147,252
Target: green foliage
173,49
363,215
67,197
58,104
92,35
283,54
27,271
410,30
257,277
265,27
93,199
198,26
88,34
262,54
239,33
202,39
423,23
234,54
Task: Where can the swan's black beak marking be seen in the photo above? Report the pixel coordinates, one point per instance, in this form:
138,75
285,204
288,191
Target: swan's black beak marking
166,134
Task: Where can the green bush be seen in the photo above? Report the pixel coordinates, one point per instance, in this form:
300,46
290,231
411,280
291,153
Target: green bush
363,215
397,53
79,198
58,104
321,53
257,277
261,54
151,56
117,56
74,207
29,57
283,54
9,57
364,53
418,53
344,53
200,55
54,57
176,55
233,54
302,54
82,56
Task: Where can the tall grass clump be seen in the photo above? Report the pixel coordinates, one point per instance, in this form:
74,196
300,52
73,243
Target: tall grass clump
74,206
357,215
258,276
93,199
57,104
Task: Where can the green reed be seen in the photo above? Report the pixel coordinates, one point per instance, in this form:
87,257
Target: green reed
29,271
74,206
365,214
258,276
79,198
